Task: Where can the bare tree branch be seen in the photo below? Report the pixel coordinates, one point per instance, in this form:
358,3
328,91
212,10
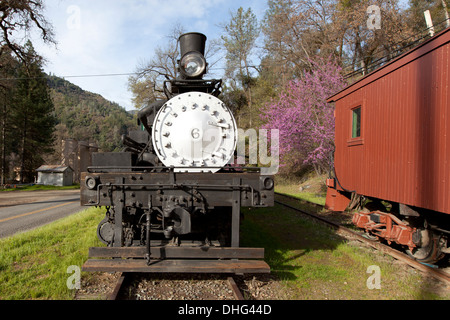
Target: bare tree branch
21,16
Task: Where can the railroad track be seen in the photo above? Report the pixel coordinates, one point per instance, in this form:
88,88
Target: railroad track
125,279
435,273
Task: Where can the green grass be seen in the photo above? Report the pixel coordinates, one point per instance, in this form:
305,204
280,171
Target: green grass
316,193
313,262
305,196
339,272
33,265
40,187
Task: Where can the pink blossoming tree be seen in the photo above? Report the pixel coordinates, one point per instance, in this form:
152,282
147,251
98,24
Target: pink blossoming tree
304,118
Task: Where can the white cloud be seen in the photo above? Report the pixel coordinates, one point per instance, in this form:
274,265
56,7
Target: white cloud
104,37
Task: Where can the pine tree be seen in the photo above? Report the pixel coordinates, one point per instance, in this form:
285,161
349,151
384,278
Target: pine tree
8,66
32,114
239,41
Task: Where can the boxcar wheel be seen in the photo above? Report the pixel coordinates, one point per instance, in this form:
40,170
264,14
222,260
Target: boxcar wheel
430,251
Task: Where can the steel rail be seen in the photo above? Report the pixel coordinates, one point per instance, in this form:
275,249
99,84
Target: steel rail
437,274
235,289
120,284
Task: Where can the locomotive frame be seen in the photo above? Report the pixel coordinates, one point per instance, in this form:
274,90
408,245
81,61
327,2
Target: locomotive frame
173,218
135,193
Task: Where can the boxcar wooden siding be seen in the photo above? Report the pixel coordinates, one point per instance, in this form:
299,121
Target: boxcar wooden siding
403,151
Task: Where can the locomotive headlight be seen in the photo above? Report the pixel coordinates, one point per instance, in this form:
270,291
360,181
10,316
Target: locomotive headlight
268,183
91,182
193,65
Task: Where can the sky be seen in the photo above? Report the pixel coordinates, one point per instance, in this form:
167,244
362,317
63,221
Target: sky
96,37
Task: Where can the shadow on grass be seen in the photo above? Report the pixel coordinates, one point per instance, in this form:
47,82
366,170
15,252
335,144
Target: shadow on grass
287,236
312,261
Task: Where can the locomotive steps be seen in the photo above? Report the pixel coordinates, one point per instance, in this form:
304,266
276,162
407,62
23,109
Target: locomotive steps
199,259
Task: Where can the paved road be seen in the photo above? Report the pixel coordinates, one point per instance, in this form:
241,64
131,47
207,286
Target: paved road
22,211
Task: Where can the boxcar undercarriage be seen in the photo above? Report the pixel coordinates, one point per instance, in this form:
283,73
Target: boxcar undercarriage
422,233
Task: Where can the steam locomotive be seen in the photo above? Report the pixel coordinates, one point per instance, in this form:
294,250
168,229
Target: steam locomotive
173,197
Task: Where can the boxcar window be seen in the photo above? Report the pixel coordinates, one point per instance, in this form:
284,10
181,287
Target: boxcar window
356,126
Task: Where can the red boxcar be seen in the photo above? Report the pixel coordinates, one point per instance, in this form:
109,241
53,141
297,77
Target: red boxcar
393,143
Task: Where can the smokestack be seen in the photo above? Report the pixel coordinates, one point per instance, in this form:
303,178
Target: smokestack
192,41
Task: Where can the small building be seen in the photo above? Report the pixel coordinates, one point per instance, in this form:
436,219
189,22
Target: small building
77,155
55,175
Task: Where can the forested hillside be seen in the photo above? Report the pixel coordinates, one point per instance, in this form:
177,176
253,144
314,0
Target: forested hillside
87,116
